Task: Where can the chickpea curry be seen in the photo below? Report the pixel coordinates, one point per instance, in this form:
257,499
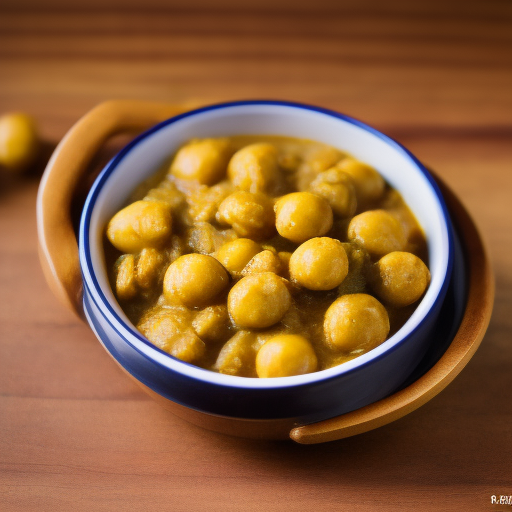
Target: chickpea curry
266,257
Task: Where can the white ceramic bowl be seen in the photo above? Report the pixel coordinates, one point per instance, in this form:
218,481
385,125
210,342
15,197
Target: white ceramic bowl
305,398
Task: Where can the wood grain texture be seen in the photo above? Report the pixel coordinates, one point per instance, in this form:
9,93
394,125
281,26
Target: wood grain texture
75,433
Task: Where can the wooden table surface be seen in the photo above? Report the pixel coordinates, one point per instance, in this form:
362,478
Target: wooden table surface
75,433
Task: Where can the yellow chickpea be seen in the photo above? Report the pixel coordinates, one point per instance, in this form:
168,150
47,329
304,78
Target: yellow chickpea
188,347
195,280
264,261
400,278
19,142
149,264
205,201
289,161
377,231
170,331
369,184
285,257
285,355
324,157
338,188
319,264
253,168
126,285
250,215
139,225
236,254
237,356
205,238
357,322
204,161
165,192
212,323
258,300
302,215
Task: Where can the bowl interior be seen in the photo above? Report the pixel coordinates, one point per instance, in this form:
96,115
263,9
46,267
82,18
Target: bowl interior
148,152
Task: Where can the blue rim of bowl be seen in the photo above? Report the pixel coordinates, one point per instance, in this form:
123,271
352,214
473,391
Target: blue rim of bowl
207,376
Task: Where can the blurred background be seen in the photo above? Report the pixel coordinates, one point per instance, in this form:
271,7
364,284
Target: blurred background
436,75
405,67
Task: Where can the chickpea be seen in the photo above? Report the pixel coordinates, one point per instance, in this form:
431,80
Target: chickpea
258,300
377,231
250,215
176,248
139,225
212,323
126,286
237,355
285,257
324,157
302,215
338,188
264,261
289,162
148,267
369,184
357,322
286,355
188,347
400,278
236,254
205,238
203,160
19,142
269,247
195,279
205,202
165,192
319,264
254,167
170,331
291,321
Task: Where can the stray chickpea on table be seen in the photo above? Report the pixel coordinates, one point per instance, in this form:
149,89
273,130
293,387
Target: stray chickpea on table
19,142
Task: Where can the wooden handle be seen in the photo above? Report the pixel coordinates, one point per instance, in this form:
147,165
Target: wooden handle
58,248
